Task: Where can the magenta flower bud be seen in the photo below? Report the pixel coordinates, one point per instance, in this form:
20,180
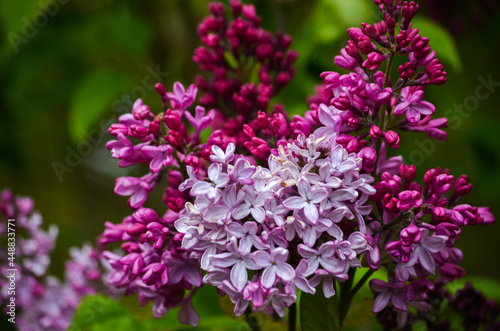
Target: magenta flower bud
391,184
462,186
365,45
211,40
429,176
282,79
141,112
136,229
131,247
345,61
439,213
175,139
262,102
392,138
407,172
249,12
133,263
352,49
236,7
145,215
449,230
407,199
369,30
216,8
390,22
369,156
342,102
137,131
352,122
117,128
373,61
262,120
406,70
344,139
175,203
391,205
410,235
375,132
278,124
156,273
355,34
193,161
331,79
441,184
384,96
264,51
258,147
381,28
486,215
154,127
409,10
160,89
248,131
352,146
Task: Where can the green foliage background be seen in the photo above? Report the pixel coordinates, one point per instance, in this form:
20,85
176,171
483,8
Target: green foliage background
70,66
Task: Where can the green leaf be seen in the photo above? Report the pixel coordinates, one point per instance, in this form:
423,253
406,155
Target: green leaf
93,98
231,60
440,40
318,312
99,313
360,314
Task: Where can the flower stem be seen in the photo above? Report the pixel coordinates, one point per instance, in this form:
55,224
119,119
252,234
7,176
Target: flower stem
362,281
346,295
292,317
252,322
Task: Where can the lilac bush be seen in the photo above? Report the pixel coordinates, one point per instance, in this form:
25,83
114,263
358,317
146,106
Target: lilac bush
42,301
268,205
264,206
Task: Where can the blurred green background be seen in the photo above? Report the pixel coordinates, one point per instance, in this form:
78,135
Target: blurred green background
68,68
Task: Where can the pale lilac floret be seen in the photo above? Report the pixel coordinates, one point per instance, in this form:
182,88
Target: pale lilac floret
238,261
121,148
211,189
423,249
392,292
200,121
220,156
413,105
137,188
275,265
323,256
161,156
180,99
307,200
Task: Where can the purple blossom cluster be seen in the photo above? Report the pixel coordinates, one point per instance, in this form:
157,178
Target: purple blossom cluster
261,233
267,206
423,223
44,301
230,46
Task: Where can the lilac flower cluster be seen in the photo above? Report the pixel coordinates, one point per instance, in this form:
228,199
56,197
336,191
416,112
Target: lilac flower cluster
44,302
422,246
230,48
269,205
261,233
372,101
